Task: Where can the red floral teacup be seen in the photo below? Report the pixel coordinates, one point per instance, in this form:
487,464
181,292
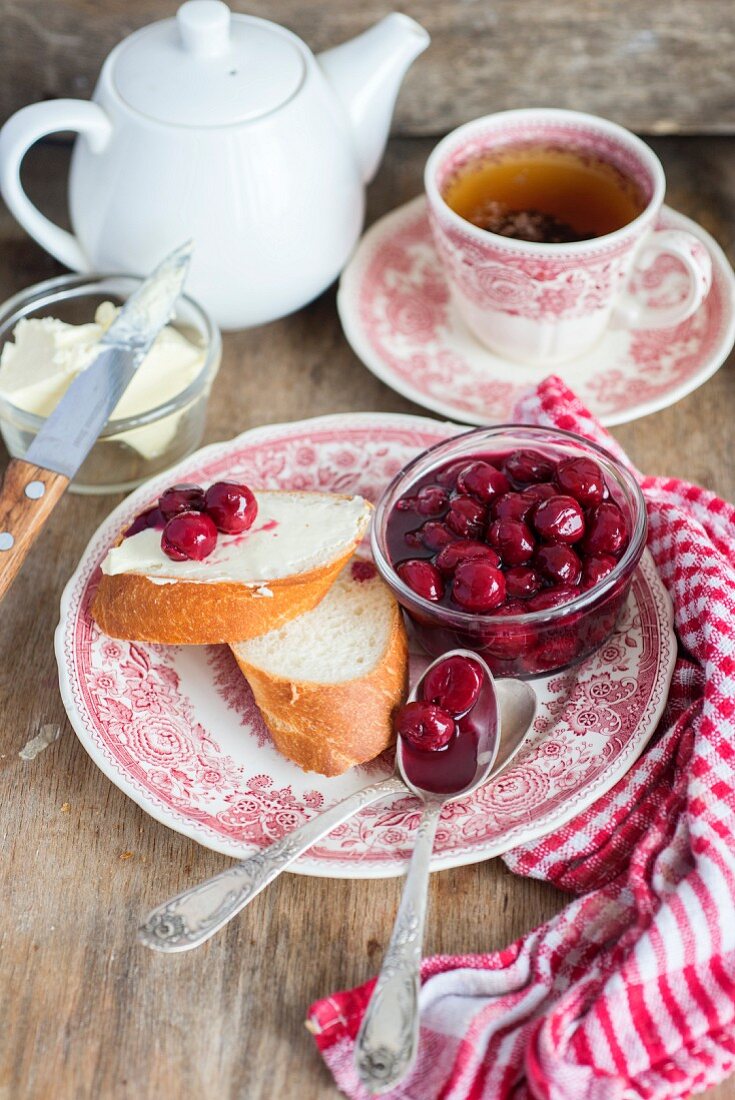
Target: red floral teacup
545,303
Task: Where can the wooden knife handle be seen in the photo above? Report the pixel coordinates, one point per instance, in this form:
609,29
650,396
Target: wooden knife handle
27,498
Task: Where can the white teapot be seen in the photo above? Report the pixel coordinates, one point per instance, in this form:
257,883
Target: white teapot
225,129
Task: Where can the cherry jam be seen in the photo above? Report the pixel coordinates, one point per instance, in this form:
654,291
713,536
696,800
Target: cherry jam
448,770
499,535
443,732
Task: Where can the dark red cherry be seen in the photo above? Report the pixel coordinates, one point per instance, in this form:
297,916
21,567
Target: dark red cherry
153,517
552,597
513,540
559,519
431,500
434,535
521,582
233,507
595,569
513,506
189,536
453,684
558,563
478,585
526,467
483,481
542,491
448,476
508,641
449,558
181,498
554,651
466,517
424,725
582,479
607,532
423,577
510,607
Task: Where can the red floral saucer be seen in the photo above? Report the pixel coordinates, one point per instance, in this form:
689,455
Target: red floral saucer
397,314
177,730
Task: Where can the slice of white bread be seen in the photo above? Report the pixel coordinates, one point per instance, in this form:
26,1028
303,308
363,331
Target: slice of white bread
251,583
327,683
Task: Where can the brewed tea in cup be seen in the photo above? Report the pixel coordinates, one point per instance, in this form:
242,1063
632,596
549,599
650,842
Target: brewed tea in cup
541,218
545,194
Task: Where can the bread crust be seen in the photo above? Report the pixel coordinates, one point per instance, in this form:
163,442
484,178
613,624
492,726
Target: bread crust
328,728
136,608
133,607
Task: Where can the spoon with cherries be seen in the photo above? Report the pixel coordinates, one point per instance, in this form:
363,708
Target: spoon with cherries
458,729
195,915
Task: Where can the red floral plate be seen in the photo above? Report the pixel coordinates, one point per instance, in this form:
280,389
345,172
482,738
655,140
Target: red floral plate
176,728
396,311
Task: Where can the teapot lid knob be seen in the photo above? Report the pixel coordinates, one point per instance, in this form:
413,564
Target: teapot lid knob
204,26
208,67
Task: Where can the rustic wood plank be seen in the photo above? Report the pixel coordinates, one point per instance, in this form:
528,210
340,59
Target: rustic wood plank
654,65
86,1013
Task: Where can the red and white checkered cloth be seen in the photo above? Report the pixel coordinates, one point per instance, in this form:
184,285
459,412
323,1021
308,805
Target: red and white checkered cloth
630,991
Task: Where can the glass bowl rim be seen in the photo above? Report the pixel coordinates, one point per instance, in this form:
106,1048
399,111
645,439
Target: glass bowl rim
582,602
50,290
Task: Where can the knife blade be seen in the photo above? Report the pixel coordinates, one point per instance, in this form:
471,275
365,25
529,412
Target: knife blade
32,486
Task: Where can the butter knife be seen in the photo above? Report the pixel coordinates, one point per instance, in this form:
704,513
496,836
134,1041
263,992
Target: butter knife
32,486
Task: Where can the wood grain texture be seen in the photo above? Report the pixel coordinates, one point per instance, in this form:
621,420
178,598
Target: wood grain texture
22,518
88,1014
655,65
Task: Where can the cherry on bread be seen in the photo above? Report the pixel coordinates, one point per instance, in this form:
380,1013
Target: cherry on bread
247,584
181,498
189,536
232,507
194,517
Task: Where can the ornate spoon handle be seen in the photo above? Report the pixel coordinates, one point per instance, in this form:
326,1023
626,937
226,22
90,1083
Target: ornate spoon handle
196,914
388,1038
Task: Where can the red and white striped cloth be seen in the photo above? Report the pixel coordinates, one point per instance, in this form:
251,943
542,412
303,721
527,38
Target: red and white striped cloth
630,991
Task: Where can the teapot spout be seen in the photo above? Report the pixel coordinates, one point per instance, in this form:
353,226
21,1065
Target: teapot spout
366,73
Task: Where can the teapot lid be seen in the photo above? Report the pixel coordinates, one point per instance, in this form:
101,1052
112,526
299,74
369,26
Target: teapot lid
208,68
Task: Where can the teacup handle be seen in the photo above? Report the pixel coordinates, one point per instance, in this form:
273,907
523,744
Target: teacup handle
636,307
17,135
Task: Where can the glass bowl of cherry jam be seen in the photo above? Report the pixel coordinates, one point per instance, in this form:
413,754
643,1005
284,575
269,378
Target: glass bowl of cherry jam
517,542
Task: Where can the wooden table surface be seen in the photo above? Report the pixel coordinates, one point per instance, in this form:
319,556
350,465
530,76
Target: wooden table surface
656,66
86,1012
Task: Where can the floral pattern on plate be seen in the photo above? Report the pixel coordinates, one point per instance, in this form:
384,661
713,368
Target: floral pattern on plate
396,311
177,729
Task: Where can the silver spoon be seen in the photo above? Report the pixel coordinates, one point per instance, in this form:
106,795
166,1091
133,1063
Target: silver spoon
196,914
387,1042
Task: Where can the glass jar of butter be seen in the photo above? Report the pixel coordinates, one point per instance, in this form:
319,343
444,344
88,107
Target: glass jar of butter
158,421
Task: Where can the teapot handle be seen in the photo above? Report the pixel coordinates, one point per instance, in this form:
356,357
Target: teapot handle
17,135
